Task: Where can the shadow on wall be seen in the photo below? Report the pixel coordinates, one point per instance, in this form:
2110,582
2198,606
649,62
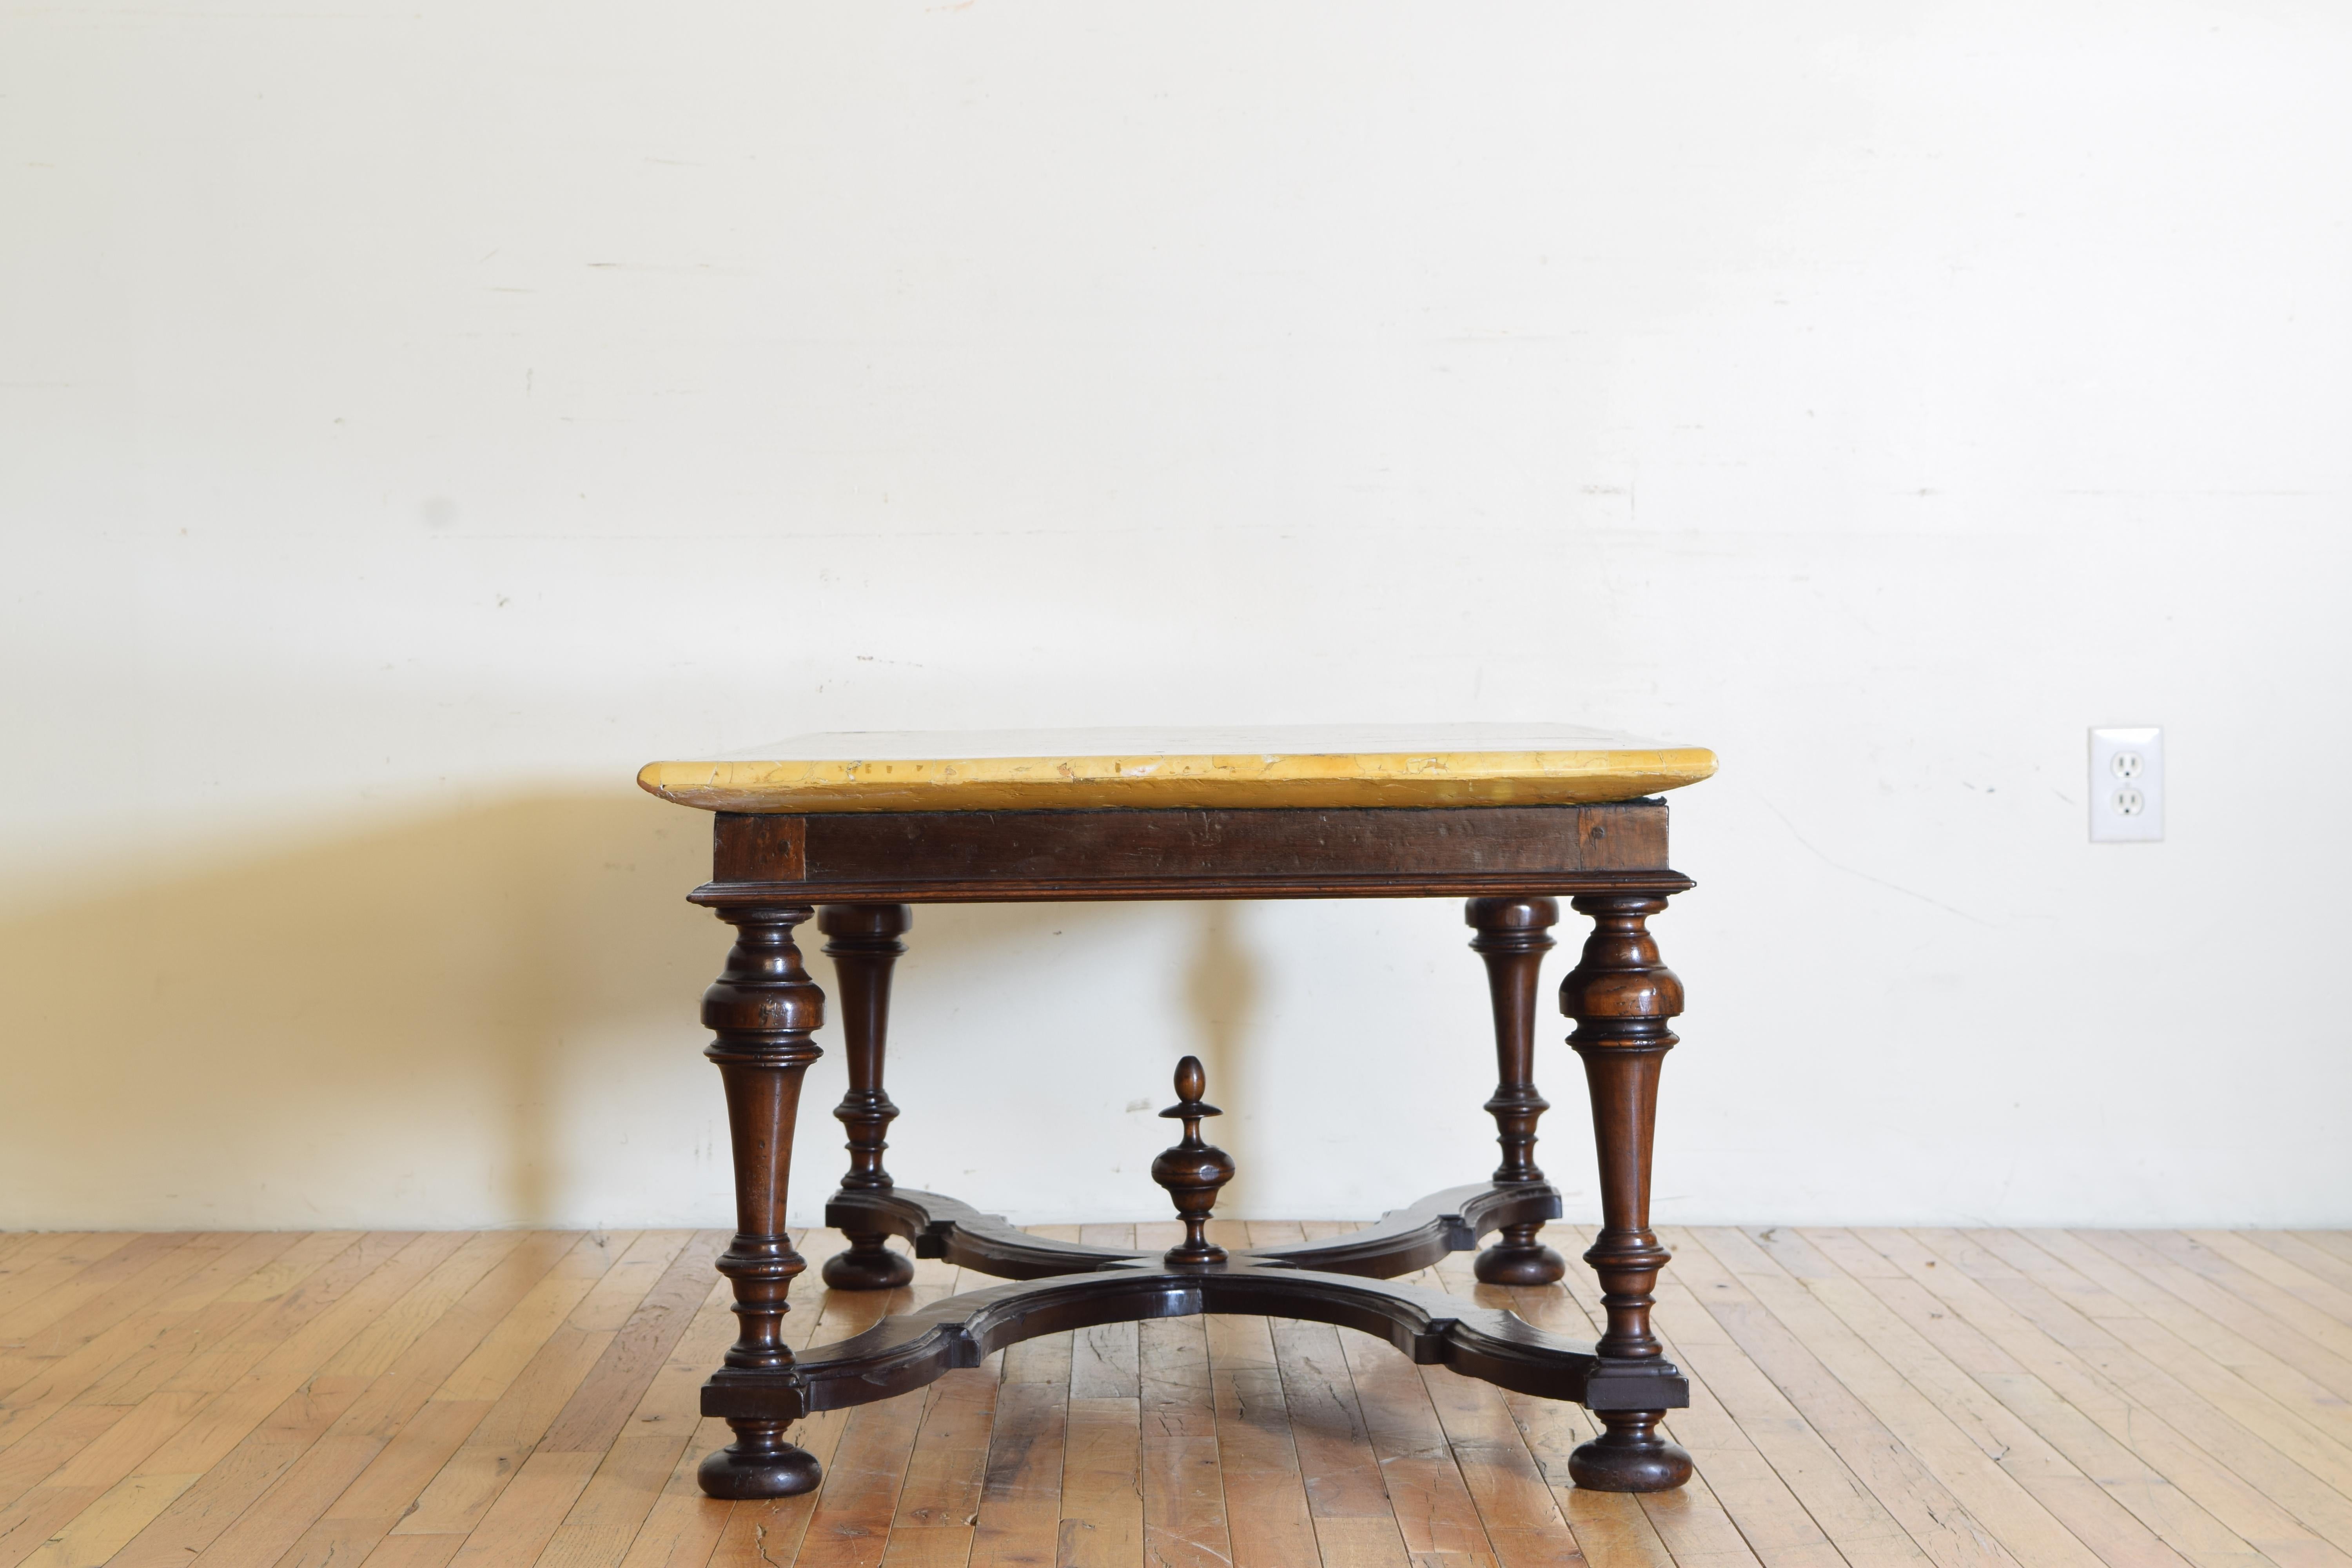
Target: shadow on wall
1221,989
394,998
395,1008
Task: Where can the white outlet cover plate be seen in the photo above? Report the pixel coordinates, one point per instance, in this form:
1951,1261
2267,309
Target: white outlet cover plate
2127,785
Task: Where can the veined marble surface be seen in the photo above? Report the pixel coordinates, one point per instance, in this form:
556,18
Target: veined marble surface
1307,765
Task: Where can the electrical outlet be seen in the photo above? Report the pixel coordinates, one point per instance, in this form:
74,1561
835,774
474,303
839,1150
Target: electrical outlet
2127,786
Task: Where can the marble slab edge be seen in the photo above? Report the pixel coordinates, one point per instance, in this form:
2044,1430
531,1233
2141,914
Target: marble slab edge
1178,783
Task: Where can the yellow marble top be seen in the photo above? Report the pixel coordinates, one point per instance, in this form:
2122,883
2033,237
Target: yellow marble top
1444,764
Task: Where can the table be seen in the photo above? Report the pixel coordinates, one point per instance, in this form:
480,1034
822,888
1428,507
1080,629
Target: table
853,829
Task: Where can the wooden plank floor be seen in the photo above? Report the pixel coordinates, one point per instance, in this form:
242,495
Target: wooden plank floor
1933,1398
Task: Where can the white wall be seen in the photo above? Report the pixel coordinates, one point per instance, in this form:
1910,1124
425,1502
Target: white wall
416,416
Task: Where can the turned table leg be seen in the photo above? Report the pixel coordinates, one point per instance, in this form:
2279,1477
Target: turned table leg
761,1009
862,940
1513,936
1621,997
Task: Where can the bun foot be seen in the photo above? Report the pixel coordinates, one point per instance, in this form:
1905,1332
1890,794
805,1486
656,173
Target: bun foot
868,1266
759,1464
1630,1456
1504,1265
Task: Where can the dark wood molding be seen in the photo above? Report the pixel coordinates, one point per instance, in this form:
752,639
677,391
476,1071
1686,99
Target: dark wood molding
1412,1238
862,940
762,1011
755,895
1404,1241
1621,997
1514,934
1192,1171
940,1226
903,1353
1512,863
989,857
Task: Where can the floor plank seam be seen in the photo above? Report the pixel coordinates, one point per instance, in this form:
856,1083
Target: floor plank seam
1930,1397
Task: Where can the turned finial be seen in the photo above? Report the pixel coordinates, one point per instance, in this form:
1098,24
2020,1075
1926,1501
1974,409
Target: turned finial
1192,1170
